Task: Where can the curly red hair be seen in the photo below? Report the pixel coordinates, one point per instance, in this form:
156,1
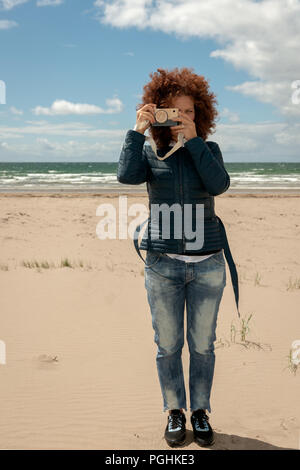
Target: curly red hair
165,85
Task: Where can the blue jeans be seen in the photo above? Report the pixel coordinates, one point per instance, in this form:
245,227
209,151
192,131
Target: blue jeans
170,283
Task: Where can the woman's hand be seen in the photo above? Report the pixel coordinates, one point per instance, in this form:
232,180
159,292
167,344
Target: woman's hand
145,117
187,127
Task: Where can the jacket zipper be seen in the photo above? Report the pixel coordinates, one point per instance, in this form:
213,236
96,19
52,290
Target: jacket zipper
182,204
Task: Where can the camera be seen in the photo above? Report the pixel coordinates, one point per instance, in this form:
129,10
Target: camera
165,117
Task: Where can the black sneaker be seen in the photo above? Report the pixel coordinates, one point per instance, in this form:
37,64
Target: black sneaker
175,433
203,433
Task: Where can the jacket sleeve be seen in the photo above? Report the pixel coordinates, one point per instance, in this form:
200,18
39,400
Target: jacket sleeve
133,166
209,164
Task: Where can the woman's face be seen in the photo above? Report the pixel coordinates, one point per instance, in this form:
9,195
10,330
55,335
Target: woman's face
185,104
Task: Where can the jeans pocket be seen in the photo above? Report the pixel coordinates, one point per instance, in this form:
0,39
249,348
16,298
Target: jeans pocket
218,258
152,258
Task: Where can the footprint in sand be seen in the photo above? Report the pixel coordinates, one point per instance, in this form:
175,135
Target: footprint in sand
47,358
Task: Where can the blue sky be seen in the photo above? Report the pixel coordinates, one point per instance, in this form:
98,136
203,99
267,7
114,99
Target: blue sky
74,72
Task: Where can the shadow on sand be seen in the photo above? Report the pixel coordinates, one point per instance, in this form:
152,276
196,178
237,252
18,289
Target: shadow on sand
234,442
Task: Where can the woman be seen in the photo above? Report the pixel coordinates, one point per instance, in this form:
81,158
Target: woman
179,272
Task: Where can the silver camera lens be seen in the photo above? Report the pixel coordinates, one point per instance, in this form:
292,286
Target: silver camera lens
161,116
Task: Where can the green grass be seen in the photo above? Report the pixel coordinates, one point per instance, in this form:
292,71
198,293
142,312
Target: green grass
292,285
64,263
245,327
242,331
292,366
257,279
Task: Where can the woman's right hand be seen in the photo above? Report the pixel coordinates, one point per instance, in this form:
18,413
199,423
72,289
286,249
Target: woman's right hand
145,117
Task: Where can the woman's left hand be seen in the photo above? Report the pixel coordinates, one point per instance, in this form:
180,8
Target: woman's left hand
187,127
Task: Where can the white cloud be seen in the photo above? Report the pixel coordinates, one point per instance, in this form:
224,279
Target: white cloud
37,123
14,110
73,129
7,24
277,93
63,107
289,136
138,95
115,106
46,3
9,4
43,147
124,13
262,141
261,38
231,115
73,148
45,144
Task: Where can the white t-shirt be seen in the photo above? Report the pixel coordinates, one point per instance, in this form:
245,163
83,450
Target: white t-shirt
191,259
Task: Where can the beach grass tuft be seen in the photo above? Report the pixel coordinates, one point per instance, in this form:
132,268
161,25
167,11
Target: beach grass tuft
293,284
257,279
64,263
243,331
292,364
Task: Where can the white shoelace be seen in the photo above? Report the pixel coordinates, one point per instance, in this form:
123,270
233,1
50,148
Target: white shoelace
175,422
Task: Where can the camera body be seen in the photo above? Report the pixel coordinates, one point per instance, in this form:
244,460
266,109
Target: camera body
164,117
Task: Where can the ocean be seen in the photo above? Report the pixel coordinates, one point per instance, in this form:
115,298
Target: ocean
94,176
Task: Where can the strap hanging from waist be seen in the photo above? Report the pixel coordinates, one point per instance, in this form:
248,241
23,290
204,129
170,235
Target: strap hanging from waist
231,264
227,252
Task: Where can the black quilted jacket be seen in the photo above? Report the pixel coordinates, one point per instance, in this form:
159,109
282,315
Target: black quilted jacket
194,174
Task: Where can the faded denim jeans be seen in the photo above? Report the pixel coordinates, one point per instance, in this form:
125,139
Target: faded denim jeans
171,284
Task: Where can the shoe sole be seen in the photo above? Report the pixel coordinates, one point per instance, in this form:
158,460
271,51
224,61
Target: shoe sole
175,444
203,443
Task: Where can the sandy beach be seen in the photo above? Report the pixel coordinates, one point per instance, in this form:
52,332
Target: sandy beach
80,369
